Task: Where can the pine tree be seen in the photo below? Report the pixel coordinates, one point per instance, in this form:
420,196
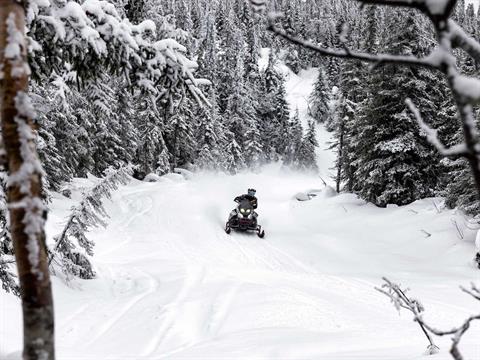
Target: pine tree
152,148
320,98
72,256
295,136
7,276
307,158
210,135
181,138
398,168
234,156
281,120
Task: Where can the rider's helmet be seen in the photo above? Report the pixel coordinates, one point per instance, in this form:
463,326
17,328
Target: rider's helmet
251,192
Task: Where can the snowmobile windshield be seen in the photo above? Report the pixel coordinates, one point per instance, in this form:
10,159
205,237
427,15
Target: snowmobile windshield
245,207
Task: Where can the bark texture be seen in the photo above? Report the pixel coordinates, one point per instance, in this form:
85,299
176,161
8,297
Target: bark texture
24,201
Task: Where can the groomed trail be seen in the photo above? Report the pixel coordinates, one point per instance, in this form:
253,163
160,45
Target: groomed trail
172,285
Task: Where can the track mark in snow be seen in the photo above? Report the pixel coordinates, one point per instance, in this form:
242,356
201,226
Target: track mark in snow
193,278
151,288
220,309
66,321
139,211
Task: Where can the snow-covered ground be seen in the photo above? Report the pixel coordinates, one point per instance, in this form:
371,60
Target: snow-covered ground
172,285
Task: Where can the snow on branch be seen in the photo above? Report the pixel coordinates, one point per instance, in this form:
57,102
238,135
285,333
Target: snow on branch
460,39
258,5
7,277
400,300
346,53
95,38
90,213
432,8
474,291
432,135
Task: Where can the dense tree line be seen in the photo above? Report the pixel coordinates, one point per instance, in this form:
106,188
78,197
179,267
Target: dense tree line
86,129
382,154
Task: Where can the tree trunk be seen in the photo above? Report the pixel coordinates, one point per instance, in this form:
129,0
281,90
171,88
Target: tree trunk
340,156
27,212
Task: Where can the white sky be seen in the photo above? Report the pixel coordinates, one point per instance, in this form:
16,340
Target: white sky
472,1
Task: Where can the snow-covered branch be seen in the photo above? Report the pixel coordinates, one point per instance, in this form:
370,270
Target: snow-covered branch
400,300
474,291
432,135
437,10
88,214
346,53
460,39
95,38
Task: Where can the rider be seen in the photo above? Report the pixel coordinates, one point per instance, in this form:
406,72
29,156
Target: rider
250,196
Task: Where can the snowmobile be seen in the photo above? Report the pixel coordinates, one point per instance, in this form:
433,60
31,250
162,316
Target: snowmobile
244,219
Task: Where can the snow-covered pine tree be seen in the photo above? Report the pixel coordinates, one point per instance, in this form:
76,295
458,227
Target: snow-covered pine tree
210,135
126,112
399,167
307,160
152,152
320,98
7,260
468,64
281,120
208,52
241,114
179,136
56,172
72,248
295,136
107,147
253,151
234,155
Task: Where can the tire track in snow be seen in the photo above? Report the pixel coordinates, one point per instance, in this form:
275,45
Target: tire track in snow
151,288
66,322
274,259
251,256
220,308
194,276
137,212
124,224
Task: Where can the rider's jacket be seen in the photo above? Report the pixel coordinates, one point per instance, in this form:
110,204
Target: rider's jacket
252,199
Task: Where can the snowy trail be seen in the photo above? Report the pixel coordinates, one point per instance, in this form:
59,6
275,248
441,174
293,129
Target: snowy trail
172,285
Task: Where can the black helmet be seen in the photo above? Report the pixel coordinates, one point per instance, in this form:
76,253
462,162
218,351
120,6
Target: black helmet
251,192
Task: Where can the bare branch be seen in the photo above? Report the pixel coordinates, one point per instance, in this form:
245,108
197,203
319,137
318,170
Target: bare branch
400,300
457,332
346,53
398,296
427,234
474,292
